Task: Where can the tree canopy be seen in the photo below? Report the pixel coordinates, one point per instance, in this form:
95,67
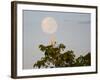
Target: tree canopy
56,56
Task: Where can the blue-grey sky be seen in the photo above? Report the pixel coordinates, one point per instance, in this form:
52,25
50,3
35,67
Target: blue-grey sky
73,31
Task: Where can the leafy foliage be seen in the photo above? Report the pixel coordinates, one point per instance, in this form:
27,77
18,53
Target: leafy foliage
83,60
55,56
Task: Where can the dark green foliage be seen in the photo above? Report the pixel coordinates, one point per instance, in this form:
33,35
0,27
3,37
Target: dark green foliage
55,56
84,60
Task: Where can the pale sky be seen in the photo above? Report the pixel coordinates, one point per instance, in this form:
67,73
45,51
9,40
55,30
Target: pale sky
73,31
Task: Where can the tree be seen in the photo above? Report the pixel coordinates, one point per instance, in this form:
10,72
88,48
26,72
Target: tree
83,60
56,56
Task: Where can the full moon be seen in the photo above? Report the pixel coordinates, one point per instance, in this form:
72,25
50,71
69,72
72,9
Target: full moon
49,25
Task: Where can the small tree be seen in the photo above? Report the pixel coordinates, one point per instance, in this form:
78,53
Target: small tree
83,60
